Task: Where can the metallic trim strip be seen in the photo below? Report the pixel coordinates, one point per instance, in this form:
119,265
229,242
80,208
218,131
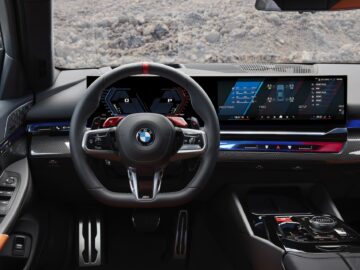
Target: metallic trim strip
292,133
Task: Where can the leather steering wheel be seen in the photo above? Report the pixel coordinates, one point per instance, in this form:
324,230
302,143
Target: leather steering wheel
144,143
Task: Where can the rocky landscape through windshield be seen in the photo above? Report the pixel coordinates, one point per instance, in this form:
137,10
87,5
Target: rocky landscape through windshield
91,33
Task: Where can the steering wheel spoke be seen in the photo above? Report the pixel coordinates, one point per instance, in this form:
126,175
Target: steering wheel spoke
193,143
100,143
145,186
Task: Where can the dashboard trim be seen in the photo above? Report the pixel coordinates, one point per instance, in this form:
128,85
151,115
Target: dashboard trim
294,133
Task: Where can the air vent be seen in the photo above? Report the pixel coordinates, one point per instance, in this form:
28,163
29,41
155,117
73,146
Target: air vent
257,68
278,68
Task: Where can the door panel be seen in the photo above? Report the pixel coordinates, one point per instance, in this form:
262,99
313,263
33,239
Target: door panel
15,183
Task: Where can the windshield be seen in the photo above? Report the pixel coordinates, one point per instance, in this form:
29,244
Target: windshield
92,33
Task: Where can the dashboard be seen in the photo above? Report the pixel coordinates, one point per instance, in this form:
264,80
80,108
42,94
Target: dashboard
258,130
293,113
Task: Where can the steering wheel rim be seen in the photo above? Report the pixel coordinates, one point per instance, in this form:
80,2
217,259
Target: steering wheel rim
201,104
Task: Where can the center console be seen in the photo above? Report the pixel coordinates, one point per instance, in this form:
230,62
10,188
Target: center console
307,233
291,228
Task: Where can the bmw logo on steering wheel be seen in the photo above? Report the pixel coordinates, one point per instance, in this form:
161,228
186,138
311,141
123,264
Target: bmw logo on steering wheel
145,136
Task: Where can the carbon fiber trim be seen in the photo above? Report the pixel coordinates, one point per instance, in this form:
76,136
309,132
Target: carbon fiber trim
57,146
16,118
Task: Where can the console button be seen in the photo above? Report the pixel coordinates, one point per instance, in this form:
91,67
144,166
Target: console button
305,148
341,232
19,245
8,182
283,219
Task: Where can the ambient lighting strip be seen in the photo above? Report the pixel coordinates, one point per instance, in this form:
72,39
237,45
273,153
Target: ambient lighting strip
281,146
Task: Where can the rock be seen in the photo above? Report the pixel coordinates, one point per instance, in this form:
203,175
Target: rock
140,19
123,19
238,33
274,19
135,42
193,18
148,30
104,23
212,37
160,31
307,56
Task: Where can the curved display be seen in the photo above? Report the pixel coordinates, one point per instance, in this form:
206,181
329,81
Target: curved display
282,98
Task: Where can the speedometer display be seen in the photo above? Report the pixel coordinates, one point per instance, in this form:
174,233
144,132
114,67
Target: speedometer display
149,94
123,101
168,102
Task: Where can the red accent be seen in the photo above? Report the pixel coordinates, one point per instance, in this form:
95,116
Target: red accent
346,4
283,219
324,147
178,121
145,68
112,121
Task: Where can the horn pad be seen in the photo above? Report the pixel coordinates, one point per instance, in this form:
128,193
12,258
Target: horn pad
145,140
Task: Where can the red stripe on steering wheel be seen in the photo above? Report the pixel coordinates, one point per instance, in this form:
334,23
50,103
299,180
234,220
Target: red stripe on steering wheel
145,68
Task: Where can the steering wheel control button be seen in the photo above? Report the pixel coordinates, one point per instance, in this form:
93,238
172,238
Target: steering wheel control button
193,142
145,136
99,141
322,223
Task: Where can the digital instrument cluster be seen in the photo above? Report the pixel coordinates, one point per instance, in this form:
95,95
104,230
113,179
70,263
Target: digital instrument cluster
124,101
136,95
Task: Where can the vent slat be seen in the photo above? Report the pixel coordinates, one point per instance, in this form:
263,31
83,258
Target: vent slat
258,68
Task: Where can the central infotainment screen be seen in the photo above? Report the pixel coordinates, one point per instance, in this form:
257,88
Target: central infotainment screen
282,98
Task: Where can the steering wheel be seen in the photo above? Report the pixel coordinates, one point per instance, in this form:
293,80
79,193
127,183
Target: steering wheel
145,143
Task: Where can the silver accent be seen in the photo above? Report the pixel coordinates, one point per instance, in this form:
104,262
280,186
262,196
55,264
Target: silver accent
97,244
181,236
341,232
102,154
186,151
293,133
133,182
